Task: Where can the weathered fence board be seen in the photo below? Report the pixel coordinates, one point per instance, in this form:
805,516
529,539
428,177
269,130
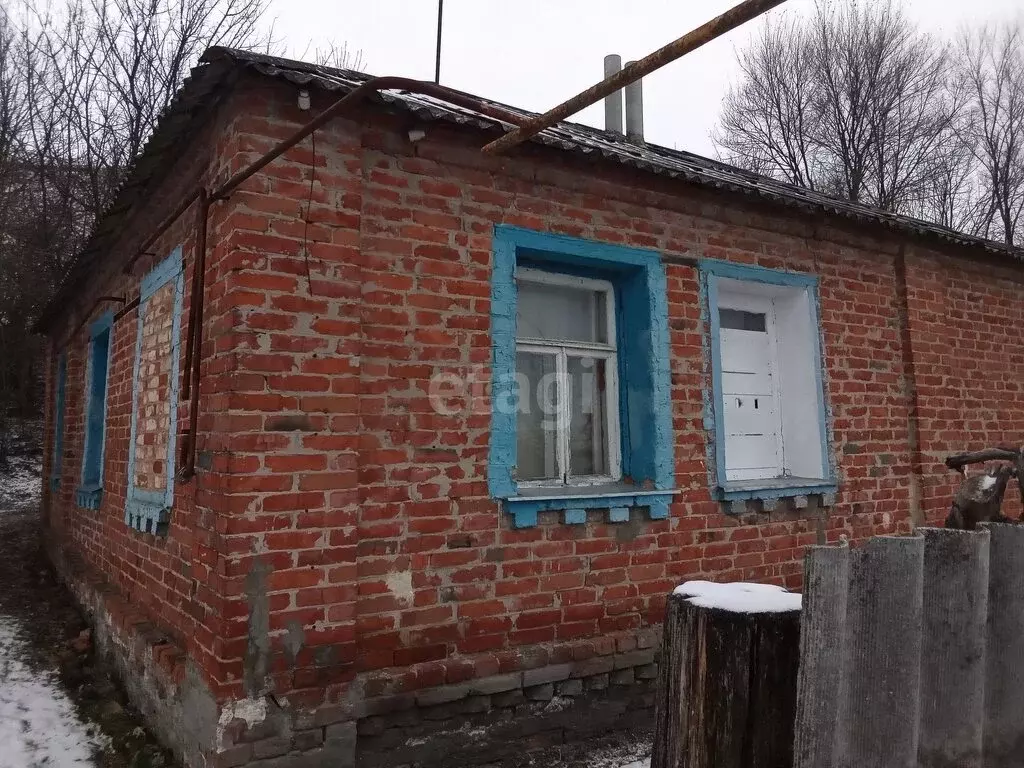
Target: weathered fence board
881,644
912,652
1004,660
821,665
955,604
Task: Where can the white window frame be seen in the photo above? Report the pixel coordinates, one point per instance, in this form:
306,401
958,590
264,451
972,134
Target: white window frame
797,390
562,351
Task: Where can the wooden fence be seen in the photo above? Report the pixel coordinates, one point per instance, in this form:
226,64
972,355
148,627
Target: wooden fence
911,656
912,652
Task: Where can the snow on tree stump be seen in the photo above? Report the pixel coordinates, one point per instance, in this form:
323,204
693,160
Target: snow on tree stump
727,686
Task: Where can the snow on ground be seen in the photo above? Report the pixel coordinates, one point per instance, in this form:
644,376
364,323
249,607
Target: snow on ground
38,724
740,597
624,752
20,483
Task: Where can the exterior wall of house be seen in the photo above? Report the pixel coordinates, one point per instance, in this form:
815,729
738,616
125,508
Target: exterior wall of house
343,551
155,599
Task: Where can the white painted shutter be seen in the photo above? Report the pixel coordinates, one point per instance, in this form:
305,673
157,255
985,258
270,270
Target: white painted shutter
750,404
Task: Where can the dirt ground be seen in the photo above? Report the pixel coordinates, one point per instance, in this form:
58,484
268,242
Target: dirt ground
50,679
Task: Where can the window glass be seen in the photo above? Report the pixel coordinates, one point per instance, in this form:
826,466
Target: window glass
561,313
566,369
537,381
738,320
588,420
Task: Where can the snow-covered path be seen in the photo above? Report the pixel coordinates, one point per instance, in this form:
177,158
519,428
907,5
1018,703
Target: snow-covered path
39,727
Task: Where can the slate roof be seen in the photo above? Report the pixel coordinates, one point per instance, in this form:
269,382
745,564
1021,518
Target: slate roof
219,67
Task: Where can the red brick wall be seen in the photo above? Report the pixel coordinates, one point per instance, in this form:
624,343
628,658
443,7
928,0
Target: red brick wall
344,526
966,340
372,509
171,580
153,399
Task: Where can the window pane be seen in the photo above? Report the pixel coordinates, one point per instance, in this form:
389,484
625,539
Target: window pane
561,313
537,418
95,408
738,320
588,421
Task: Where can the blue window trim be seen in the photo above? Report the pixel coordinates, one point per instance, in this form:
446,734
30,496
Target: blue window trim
146,510
651,452
57,458
90,489
712,272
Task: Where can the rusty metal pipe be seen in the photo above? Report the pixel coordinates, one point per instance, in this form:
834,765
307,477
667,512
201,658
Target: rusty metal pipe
201,214
162,227
728,21
353,97
95,305
133,304
196,334
193,348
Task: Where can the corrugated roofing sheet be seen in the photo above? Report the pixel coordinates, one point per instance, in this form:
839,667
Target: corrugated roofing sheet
219,67
582,139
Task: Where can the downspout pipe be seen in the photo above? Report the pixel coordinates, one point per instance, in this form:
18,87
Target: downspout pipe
728,21
194,344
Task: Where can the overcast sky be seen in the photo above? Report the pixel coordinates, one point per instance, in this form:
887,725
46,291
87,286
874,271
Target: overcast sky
537,53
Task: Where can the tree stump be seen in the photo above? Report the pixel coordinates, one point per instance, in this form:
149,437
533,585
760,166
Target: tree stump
727,686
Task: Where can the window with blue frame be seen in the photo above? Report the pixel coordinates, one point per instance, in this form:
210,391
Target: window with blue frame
57,458
581,409
97,369
155,398
768,400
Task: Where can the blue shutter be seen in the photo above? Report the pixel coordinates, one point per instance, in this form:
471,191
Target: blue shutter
90,492
149,510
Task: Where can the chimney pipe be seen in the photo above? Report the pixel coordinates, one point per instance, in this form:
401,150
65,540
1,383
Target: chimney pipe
635,109
613,101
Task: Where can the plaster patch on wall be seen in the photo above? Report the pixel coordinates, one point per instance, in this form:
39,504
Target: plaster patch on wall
255,667
400,583
253,711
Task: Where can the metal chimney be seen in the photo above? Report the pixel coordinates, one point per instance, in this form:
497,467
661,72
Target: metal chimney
635,109
613,101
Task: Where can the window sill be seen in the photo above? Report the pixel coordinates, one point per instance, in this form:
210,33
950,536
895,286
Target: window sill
89,496
775,488
617,498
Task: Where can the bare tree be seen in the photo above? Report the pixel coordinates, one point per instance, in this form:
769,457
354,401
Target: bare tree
992,64
768,121
950,193
854,101
81,89
338,56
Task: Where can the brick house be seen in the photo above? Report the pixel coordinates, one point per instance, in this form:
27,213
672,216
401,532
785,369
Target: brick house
454,425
